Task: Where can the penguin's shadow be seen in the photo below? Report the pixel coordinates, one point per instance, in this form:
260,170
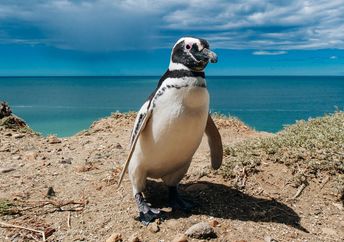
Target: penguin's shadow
218,200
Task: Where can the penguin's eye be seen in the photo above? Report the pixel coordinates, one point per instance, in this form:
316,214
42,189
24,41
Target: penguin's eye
188,47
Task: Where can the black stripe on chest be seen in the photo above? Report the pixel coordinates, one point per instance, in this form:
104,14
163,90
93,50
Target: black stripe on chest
174,74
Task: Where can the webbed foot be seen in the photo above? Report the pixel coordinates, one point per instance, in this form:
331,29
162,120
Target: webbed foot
178,203
147,214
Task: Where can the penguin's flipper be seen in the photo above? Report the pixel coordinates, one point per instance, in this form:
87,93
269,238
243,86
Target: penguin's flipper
215,143
140,123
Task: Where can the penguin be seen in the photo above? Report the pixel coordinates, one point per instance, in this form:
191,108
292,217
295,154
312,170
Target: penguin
170,125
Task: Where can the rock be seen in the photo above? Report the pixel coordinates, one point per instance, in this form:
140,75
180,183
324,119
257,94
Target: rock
18,136
201,230
154,228
119,146
7,169
134,238
338,205
8,134
269,239
213,223
196,187
52,139
51,192
180,238
16,157
30,155
66,161
116,237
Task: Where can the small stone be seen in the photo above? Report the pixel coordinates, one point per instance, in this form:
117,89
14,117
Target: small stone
51,192
119,146
52,139
154,228
16,157
30,156
180,238
338,205
213,223
201,230
8,134
116,237
66,161
19,136
269,239
134,238
6,170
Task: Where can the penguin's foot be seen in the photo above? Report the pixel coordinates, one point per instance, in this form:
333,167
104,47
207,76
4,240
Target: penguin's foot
147,214
177,203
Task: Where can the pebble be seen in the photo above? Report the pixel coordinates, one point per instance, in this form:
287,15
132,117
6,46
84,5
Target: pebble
119,146
6,170
51,192
53,139
30,155
19,136
154,228
213,223
180,238
66,161
116,237
134,238
269,239
201,230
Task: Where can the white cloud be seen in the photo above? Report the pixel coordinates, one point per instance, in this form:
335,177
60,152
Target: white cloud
264,52
333,57
103,25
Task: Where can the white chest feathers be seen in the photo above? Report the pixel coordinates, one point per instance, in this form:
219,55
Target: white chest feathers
176,127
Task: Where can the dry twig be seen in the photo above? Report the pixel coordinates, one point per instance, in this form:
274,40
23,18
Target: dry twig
21,227
68,219
299,190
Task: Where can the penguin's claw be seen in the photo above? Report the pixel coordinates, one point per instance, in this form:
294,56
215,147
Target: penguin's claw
147,214
148,217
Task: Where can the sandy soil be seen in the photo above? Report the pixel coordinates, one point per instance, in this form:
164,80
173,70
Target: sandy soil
67,187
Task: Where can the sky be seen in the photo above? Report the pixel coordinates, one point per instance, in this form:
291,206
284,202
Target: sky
135,37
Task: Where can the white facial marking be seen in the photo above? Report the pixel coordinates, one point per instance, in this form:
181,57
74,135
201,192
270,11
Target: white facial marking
188,41
177,66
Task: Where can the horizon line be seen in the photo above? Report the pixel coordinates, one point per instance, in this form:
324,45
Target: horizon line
241,75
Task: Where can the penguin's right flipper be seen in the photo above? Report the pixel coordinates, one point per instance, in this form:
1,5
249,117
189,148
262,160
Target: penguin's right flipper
215,143
140,123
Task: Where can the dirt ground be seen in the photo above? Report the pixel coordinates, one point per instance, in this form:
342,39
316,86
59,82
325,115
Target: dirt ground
67,188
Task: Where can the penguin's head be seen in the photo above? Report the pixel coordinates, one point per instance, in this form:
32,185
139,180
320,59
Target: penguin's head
191,53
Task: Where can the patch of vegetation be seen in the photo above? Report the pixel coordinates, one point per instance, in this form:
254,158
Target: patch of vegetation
7,208
307,147
15,123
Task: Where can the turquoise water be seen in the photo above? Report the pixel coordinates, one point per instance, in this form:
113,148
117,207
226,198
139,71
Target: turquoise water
67,105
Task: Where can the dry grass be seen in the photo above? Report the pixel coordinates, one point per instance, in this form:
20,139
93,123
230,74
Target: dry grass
310,148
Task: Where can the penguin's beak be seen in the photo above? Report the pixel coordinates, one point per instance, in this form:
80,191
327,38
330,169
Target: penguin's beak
209,55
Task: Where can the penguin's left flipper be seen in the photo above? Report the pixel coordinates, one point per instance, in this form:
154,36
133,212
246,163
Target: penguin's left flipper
140,123
215,143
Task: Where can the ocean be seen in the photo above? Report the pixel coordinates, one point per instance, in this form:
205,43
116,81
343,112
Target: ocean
67,105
